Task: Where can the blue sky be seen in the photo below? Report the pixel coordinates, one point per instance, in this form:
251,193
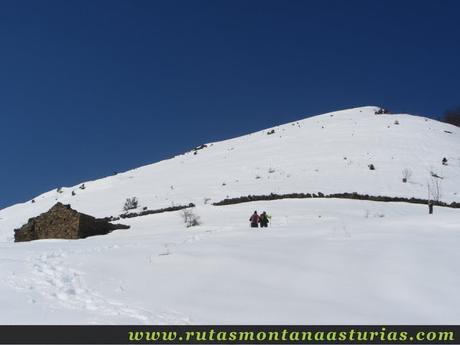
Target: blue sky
88,88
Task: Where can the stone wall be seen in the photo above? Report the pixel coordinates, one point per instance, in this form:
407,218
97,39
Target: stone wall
354,196
90,226
62,222
147,212
59,222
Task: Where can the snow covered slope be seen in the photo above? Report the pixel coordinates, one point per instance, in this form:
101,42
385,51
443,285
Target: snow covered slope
320,261
328,153
323,261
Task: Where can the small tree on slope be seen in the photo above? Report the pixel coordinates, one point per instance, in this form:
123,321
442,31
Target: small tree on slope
434,192
130,204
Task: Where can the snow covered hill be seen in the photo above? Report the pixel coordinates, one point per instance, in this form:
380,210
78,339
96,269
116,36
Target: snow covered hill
320,261
328,153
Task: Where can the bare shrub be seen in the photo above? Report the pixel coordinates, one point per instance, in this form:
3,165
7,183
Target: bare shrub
130,204
190,218
434,189
406,174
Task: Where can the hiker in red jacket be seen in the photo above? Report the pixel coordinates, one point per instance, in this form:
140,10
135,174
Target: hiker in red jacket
254,220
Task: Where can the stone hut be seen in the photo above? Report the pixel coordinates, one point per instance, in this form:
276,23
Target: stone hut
61,221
